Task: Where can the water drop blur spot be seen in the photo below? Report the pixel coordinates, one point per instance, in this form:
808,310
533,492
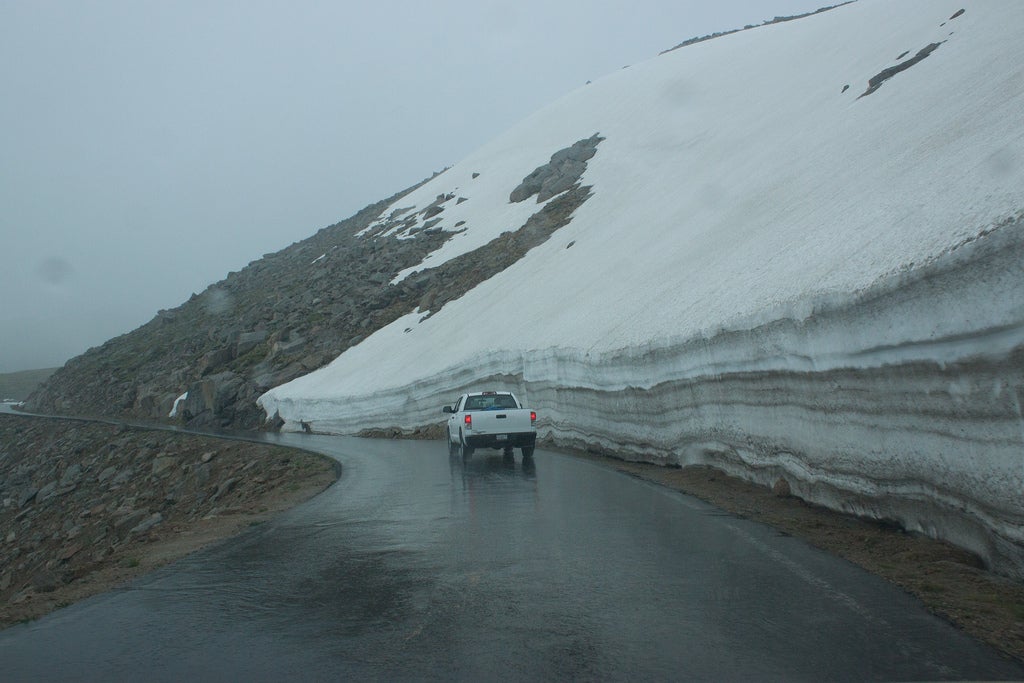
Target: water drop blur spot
1003,162
218,301
54,271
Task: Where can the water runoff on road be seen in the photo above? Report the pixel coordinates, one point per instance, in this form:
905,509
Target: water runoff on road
415,565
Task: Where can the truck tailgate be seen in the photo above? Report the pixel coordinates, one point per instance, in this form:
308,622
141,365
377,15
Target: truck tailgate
501,421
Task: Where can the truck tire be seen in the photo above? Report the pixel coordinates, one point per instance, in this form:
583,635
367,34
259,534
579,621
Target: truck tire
527,452
467,451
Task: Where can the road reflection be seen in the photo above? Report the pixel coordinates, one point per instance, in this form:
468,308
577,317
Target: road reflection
484,463
415,565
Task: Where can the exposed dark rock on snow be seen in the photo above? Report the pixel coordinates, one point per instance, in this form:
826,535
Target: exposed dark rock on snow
776,20
876,81
454,278
564,170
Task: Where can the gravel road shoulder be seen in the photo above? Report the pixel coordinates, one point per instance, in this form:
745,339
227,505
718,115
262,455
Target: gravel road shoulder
85,507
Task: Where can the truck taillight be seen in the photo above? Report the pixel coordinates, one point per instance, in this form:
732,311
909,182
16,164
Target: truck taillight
533,416
469,421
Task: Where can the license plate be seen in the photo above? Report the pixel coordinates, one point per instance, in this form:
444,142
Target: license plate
501,437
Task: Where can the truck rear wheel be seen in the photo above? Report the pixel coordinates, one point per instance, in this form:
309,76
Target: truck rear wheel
467,451
527,452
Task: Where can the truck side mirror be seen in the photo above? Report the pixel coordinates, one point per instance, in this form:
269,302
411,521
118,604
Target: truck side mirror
447,409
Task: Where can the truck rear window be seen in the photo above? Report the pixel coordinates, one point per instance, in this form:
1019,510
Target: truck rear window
499,402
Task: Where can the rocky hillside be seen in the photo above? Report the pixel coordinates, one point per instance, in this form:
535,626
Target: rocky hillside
85,505
274,320
294,311
795,253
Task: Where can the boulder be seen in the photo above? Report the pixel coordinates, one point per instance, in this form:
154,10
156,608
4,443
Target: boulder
275,423
45,581
147,524
781,488
71,475
67,552
27,496
215,359
225,488
162,464
247,341
211,394
130,519
202,474
47,491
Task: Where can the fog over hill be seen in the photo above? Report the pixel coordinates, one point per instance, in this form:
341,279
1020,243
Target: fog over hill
792,252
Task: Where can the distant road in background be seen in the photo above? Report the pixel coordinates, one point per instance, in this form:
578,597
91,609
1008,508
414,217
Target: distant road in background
18,385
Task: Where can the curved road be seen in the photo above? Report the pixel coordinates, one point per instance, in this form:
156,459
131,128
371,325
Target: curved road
414,566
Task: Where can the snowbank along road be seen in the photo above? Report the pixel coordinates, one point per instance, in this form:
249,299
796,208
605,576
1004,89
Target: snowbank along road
800,258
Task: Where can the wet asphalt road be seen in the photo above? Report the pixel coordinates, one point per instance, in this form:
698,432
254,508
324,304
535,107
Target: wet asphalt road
414,566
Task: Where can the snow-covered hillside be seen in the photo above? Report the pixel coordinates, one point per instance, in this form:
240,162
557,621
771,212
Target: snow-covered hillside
778,272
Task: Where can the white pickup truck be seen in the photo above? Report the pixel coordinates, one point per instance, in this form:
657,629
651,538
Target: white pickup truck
490,419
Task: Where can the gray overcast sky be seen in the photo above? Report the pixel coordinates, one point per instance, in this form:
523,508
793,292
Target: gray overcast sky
149,148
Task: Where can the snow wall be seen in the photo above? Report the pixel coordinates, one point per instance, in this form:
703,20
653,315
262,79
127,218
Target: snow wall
851,405
853,322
